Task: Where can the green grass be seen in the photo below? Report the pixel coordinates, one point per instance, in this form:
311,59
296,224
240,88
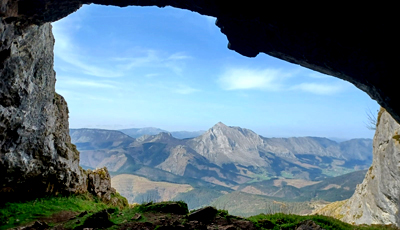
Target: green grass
289,221
287,175
180,207
259,177
338,171
20,213
17,214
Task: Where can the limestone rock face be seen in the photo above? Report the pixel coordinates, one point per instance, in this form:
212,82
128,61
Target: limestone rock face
376,200
99,183
224,144
36,154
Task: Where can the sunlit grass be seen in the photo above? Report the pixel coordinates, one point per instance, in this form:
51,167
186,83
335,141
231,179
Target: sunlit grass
21,213
290,221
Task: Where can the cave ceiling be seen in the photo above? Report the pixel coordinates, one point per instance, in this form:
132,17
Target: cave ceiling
354,44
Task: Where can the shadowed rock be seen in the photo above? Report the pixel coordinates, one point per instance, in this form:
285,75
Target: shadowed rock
206,214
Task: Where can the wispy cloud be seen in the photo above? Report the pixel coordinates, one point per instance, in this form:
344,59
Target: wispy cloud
153,58
184,89
319,88
179,56
278,80
70,81
243,78
66,50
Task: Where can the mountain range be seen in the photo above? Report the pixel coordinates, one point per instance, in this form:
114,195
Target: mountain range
223,159
138,132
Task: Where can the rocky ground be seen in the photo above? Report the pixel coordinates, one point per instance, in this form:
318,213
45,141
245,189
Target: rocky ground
160,216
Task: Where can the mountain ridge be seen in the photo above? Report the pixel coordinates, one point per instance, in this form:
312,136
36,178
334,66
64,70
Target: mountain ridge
232,153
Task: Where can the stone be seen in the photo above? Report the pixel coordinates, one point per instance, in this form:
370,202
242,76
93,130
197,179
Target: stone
137,216
99,183
38,225
205,214
97,220
266,224
308,225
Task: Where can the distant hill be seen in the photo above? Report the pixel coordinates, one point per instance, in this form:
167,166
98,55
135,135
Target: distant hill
91,139
138,132
330,189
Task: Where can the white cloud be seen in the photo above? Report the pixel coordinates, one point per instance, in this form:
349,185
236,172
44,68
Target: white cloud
277,80
69,81
320,89
178,56
153,58
242,78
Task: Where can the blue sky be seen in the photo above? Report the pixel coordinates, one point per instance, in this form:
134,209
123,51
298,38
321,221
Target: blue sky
169,68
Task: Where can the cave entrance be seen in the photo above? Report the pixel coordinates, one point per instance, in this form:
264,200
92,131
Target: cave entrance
169,68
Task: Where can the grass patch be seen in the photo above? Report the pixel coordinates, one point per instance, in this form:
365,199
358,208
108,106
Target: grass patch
258,178
289,221
397,138
22,213
176,207
378,120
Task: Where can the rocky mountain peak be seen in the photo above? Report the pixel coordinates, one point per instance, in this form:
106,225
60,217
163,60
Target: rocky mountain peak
219,125
161,137
226,144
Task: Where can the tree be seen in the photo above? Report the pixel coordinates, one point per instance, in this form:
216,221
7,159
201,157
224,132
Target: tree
371,119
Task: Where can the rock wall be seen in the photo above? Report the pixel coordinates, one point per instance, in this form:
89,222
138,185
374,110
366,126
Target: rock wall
36,154
376,200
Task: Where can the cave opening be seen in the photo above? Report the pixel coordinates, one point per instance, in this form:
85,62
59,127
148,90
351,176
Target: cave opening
39,121
170,68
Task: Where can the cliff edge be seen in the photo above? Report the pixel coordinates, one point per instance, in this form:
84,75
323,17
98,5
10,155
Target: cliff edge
376,199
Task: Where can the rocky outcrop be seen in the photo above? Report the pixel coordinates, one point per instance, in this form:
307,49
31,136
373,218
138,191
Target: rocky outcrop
99,183
36,154
376,200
